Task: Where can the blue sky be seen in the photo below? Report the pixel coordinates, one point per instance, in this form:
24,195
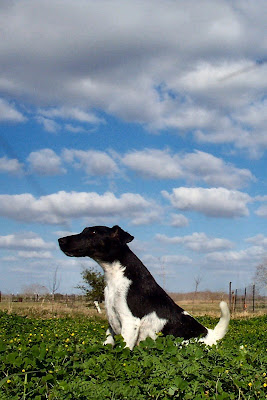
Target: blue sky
149,115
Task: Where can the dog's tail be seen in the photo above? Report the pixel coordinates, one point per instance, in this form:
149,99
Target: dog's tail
220,329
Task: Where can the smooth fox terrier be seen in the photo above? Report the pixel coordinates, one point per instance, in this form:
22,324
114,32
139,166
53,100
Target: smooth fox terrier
137,307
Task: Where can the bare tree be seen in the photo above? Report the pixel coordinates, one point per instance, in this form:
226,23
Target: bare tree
260,277
34,289
197,280
54,283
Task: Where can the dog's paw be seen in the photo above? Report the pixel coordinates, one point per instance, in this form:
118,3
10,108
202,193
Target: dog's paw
109,340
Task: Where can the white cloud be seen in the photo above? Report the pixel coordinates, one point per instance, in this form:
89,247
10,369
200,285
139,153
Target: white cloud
251,140
198,242
210,81
95,163
253,115
25,241
35,254
45,162
57,208
214,202
182,116
48,124
75,129
214,171
258,240
9,165
251,256
262,211
260,198
196,166
153,163
73,113
110,56
179,220
148,217
9,113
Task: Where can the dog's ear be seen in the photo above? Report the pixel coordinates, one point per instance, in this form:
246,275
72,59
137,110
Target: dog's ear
124,237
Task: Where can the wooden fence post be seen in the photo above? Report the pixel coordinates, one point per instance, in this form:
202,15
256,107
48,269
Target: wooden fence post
245,300
235,299
253,298
230,296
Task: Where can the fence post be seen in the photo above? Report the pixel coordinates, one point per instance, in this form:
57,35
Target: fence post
97,307
230,296
253,298
235,299
0,296
245,300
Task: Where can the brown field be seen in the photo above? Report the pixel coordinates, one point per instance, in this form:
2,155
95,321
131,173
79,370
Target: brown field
198,304
50,309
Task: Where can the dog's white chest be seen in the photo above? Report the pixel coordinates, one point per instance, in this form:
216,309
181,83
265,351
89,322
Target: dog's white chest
116,290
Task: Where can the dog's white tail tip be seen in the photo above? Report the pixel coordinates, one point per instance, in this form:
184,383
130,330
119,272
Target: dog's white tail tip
224,309
221,328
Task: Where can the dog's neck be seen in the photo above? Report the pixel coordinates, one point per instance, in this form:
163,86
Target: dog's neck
112,270
127,262
122,255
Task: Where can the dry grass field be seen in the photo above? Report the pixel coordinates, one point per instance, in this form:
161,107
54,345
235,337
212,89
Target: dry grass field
199,304
49,309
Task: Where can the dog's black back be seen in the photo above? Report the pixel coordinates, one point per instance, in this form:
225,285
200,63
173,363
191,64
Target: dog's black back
145,296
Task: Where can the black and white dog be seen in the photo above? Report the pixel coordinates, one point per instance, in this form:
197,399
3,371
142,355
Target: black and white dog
137,307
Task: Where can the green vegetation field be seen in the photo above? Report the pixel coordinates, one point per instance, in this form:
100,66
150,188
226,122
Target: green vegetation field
64,359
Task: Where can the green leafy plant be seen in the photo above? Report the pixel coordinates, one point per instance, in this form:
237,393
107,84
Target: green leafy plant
94,285
64,359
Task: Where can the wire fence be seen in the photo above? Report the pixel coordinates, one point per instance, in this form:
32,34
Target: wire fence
247,299
240,300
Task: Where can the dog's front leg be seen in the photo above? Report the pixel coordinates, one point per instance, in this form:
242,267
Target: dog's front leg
130,332
109,337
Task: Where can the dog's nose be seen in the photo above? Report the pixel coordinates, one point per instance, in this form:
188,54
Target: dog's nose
62,241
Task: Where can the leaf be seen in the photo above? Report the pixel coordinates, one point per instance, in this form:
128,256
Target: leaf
180,383
47,377
2,346
4,380
172,390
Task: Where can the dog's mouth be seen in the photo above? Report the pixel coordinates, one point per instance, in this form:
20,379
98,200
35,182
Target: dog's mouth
72,253
76,253
68,254
72,249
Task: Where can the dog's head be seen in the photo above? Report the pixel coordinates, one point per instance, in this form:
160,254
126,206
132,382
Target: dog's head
98,242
